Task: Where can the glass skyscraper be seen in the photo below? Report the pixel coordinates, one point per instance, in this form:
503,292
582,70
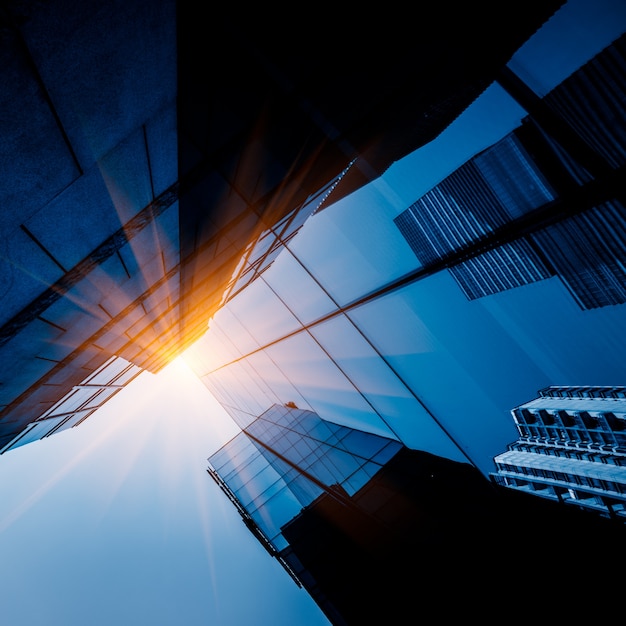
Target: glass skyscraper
486,193
374,530
352,318
473,208
344,510
77,404
420,324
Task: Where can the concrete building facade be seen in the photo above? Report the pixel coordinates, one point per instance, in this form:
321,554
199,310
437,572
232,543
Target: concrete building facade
571,448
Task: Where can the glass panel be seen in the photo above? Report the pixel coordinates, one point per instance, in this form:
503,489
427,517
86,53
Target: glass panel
263,316
231,327
76,398
101,396
428,347
215,348
35,431
354,247
329,392
281,388
275,513
363,445
356,481
297,289
406,417
108,371
73,420
234,453
255,481
129,374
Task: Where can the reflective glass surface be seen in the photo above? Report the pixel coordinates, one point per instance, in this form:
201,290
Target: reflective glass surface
350,322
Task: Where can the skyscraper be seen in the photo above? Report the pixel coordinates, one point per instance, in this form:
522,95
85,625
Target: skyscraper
571,448
471,204
78,403
352,317
347,325
335,504
375,531
563,222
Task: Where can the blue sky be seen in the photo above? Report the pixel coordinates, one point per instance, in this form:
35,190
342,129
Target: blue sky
118,522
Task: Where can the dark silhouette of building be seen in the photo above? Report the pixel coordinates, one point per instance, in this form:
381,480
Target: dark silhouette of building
376,532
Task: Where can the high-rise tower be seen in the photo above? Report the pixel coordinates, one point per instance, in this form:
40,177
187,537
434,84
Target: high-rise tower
546,200
375,531
571,448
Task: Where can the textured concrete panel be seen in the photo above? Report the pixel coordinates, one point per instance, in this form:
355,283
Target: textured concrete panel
161,138
127,177
77,221
35,161
108,66
23,350
25,271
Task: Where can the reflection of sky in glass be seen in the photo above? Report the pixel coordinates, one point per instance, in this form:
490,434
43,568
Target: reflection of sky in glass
80,402
422,364
288,458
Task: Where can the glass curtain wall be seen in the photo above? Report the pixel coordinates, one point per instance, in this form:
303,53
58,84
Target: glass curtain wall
349,322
